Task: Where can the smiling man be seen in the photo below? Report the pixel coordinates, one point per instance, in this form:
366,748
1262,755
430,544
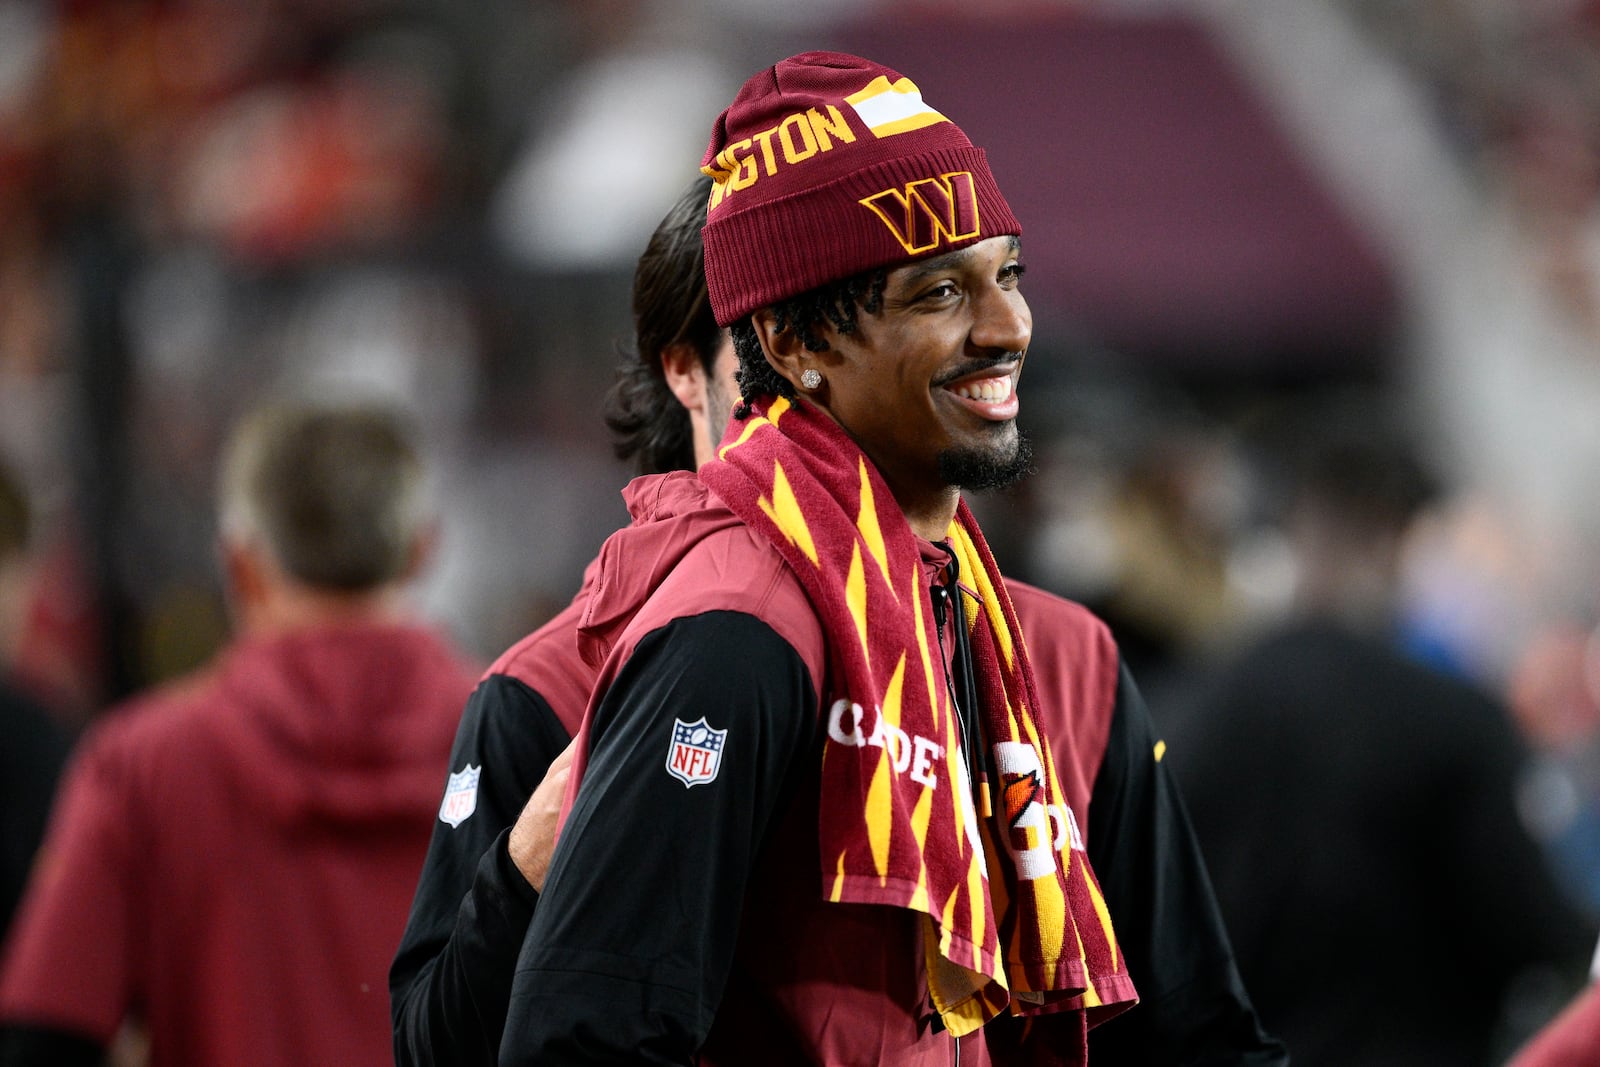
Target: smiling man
931,382
825,807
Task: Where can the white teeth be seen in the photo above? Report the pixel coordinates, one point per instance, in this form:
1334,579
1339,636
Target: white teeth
988,390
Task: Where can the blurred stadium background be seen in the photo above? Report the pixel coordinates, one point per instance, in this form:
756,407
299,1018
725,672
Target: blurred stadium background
1234,211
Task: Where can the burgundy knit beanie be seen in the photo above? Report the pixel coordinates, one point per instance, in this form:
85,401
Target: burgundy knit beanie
826,165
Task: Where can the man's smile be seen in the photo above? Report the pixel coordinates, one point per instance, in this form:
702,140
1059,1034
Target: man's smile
990,393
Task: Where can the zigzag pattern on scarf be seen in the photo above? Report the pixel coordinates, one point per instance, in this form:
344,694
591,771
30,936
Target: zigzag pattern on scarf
1015,917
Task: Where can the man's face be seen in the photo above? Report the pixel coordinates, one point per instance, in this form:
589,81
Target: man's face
722,392
927,386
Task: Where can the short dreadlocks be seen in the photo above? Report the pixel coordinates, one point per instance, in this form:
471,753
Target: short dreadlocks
835,303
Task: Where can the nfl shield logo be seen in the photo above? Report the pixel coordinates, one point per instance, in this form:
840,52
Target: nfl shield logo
460,796
696,752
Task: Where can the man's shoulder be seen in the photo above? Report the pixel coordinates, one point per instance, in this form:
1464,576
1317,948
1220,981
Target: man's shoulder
556,638
1075,659
737,569
732,563
1062,619
159,726
547,664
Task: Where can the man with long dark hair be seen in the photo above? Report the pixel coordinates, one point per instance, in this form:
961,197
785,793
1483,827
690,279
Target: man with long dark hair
452,975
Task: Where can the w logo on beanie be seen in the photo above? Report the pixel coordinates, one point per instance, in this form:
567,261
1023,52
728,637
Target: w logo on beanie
930,211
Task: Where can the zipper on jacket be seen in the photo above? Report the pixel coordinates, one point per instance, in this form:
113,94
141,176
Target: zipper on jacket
962,688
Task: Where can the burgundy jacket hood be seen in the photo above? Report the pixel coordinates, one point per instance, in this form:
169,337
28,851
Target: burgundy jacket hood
345,725
670,512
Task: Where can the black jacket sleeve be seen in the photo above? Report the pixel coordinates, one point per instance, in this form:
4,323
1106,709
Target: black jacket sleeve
634,936
1193,1009
451,977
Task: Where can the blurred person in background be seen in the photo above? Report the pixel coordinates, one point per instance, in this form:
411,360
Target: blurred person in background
451,978
1555,698
1554,694
1356,807
35,744
231,856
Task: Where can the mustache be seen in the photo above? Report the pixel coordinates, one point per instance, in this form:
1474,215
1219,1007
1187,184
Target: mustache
975,366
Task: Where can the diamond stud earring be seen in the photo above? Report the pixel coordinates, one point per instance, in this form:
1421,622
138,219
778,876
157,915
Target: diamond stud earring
811,378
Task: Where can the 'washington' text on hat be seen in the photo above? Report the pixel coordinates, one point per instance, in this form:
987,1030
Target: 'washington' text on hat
884,108
735,166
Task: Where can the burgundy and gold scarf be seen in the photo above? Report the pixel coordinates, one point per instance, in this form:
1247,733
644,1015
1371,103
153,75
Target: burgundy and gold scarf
1015,916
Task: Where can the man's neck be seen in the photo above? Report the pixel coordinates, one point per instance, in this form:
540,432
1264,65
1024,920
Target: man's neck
304,608
931,519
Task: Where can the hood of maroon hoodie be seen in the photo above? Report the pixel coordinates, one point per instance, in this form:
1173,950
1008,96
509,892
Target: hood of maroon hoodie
348,725
671,513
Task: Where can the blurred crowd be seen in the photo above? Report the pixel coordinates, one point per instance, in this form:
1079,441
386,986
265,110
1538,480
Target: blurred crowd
207,202
202,203
1516,91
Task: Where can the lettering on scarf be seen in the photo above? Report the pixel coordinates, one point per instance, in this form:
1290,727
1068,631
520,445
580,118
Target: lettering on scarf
911,753
1037,830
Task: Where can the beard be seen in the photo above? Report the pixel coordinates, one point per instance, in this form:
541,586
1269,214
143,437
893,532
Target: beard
995,467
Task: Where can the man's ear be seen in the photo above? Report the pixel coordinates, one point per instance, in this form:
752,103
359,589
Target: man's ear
685,373
783,348
248,584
